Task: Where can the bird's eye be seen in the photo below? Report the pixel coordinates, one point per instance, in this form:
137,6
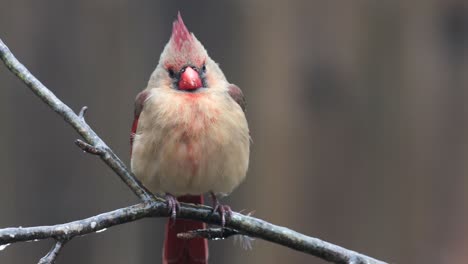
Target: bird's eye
204,68
171,72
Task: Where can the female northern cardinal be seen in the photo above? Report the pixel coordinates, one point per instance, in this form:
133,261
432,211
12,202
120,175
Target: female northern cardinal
189,137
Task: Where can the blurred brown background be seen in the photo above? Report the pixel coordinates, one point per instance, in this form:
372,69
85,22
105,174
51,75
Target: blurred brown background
357,111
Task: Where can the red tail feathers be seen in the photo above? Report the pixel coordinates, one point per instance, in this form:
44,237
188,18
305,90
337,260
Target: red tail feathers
181,251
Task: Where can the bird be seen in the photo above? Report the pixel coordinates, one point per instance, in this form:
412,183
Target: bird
189,137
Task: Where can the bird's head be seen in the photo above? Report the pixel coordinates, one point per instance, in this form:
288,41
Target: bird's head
184,64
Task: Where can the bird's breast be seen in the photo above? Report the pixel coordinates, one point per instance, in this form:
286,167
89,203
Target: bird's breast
193,142
193,131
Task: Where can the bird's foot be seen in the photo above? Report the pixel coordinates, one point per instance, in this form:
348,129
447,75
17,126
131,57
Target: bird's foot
224,210
173,205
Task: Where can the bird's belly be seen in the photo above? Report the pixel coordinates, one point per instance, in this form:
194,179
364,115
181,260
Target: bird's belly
191,161
192,165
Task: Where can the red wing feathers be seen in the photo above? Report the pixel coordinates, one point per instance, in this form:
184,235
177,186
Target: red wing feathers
139,101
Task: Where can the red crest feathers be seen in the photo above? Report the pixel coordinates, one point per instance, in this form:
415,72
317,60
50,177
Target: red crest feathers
183,47
180,33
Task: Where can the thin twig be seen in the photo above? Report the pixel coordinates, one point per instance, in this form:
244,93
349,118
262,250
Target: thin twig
82,113
53,253
90,149
152,206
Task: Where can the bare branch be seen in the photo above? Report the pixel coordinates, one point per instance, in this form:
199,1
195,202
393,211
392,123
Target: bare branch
77,122
244,224
151,206
80,227
53,253
209,233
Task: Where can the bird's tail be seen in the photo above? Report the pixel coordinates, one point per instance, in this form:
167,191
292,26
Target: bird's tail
181,251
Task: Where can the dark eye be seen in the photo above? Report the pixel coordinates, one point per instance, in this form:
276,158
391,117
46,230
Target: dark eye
171,72
204,68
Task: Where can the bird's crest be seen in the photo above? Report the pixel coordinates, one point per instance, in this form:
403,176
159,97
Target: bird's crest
183,47
180,33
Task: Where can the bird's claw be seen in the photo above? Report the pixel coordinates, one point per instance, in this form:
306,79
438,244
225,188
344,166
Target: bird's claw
224,210
173,205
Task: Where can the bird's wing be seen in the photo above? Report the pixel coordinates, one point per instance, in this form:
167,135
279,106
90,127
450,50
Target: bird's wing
236,94
139,103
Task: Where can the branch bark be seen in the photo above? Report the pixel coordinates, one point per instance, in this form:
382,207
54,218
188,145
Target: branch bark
151,206
210,233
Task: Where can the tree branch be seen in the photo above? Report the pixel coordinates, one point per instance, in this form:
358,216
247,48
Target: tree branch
77,122
210,233
151,206
245,224
53,253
